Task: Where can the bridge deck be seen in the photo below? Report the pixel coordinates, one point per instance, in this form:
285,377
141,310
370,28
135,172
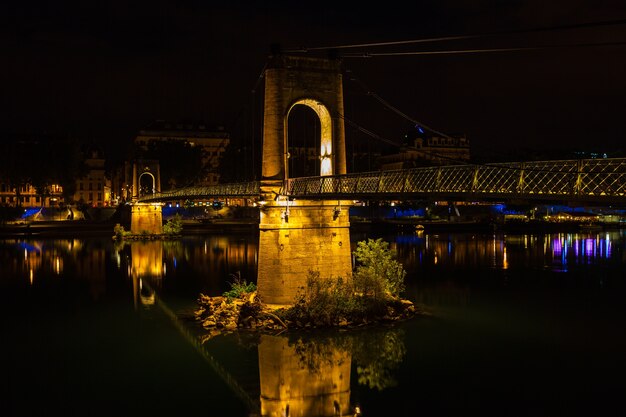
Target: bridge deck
587,180
598,180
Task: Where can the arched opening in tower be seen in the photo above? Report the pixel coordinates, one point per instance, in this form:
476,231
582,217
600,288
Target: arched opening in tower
309,140
147,184
303,142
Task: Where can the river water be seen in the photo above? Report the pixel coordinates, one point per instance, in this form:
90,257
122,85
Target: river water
519,325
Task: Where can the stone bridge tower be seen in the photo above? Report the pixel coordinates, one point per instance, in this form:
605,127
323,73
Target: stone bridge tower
146,180
298,236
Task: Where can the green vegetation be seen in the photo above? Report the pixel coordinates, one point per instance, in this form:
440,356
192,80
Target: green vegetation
324,302
239,288
378,274
173,226
372,294
119,233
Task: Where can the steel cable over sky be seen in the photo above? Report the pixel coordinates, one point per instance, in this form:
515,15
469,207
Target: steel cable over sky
388,141
385,103
377,45
474,51
462,37
395,109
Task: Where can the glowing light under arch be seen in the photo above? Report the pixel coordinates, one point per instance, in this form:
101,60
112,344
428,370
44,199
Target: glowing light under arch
326,137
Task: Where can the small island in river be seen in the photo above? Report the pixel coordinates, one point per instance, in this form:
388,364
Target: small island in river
371,295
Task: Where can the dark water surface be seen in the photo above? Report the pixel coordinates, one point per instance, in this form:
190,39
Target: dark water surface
520,325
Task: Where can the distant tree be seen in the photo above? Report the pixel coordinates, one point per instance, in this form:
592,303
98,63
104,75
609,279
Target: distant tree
15,163
41,161
180,163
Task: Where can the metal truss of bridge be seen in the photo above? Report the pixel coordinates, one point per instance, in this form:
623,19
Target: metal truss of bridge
235,190
592,180
601,181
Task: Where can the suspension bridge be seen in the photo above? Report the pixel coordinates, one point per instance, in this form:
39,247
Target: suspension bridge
301,223
593,181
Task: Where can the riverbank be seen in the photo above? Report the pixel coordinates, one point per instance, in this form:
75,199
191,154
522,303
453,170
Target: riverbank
434,226
61,228
84,228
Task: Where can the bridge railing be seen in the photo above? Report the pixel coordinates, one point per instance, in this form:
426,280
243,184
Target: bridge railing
592,179
243,190
595,178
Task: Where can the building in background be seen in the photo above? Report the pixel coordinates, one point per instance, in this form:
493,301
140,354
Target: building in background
27,196
36,169
212,140
423,148
94,188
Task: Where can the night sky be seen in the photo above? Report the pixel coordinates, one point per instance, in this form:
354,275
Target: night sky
103,70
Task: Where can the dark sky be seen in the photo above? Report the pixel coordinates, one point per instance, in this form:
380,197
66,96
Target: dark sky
103,70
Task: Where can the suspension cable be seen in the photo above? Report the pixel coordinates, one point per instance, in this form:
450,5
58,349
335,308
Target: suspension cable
463,37
474,51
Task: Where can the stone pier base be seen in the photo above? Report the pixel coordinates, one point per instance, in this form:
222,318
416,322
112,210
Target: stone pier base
146,218
298,237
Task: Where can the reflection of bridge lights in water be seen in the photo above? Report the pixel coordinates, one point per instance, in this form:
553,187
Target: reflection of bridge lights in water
607,250
556,247
568,248
561,251
589,248
57,265
505,262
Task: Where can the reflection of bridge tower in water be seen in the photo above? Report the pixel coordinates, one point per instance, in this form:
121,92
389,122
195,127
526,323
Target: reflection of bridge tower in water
146,264
312,385
146,217
301,235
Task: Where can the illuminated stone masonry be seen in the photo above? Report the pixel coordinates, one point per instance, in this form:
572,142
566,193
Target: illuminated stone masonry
298,237
146,218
